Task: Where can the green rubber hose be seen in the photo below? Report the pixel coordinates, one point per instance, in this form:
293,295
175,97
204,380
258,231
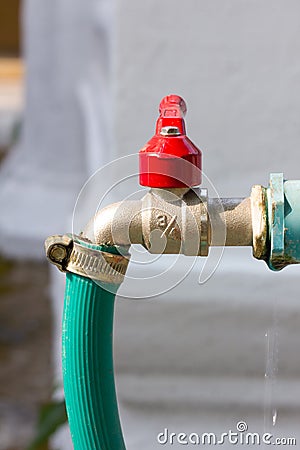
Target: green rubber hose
88,371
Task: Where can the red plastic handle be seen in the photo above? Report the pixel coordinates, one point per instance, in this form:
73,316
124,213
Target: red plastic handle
170,159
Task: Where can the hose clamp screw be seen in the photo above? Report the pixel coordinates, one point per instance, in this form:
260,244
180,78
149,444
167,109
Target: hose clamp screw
58,253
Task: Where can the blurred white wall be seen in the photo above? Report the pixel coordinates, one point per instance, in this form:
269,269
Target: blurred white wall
66,123
194,359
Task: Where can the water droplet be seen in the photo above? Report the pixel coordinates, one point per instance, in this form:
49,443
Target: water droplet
272,348
274,417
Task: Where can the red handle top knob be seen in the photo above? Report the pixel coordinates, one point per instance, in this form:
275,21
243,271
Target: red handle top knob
170,159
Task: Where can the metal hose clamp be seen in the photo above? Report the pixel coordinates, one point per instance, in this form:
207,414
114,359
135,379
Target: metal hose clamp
79,256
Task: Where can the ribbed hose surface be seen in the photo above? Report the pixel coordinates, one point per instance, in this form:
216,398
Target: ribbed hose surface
88,366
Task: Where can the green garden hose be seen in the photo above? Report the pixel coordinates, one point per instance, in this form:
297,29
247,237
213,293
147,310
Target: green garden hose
88,372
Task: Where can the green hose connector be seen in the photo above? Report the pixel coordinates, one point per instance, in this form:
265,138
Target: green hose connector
283,209
88,372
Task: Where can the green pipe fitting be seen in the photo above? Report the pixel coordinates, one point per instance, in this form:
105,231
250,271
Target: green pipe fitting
283,211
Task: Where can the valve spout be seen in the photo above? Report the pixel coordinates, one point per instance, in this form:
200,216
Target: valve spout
174,221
